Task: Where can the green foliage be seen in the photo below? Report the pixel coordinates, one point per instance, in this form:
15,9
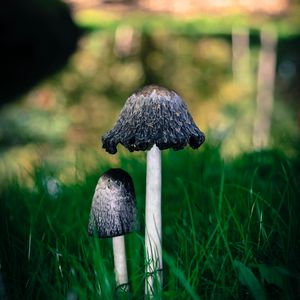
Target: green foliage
230,229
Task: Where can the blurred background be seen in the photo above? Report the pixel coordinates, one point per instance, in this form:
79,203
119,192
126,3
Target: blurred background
67,69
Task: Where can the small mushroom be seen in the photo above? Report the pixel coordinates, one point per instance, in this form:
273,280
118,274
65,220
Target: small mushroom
153,119
114,214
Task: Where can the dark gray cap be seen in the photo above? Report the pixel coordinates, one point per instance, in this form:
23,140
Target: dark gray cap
153,115
113,210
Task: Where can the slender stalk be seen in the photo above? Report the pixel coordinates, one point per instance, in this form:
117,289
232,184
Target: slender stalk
120,262
153,239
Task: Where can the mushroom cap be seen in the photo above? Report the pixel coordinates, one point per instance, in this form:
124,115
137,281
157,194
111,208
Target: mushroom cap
153,115
113,210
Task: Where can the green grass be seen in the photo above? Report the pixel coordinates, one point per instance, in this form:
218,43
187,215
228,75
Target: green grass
230,231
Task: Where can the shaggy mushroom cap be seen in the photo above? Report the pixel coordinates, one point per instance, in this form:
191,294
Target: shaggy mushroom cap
153,115
113,210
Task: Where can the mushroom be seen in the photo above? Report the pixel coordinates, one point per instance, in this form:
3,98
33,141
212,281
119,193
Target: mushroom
114,214
153,118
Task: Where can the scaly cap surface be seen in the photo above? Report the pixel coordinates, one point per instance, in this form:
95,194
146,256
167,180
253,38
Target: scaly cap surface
153,115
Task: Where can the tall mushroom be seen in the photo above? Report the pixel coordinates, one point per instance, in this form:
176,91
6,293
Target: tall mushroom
113,214
153,119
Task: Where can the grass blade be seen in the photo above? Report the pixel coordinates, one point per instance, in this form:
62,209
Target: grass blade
247,278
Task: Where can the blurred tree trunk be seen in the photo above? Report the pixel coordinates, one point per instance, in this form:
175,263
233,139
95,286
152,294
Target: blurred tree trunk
124,41
147,48
241,56
265,88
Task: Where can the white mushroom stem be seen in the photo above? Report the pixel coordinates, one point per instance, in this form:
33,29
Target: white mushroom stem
120,262
153,241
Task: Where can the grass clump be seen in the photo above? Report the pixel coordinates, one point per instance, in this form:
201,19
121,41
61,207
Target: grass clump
230,230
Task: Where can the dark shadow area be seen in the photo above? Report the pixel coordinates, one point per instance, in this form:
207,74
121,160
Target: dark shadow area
37,38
